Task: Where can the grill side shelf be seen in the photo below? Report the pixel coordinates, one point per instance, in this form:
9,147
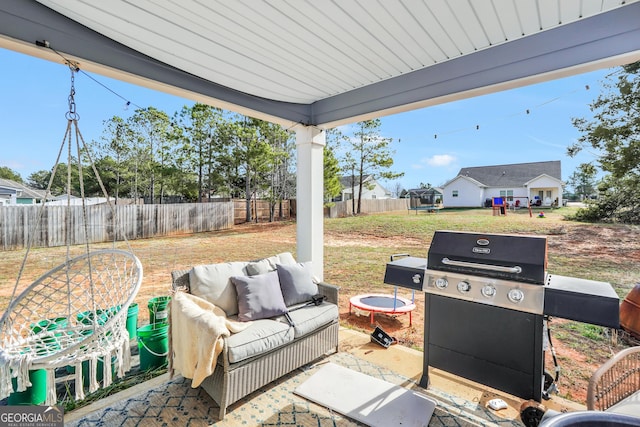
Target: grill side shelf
582,300
406,272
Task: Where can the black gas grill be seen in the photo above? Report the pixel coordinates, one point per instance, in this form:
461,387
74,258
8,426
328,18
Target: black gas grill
486,300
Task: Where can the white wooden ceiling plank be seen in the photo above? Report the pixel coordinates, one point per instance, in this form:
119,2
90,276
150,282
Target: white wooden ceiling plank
359,24
488,19
590,7
425,51
392,34
549,13
528,16
611,4
470,24
277,56
569,10
509,19
174,46
330,48
264,31
214,31
346,49
449,21
434,30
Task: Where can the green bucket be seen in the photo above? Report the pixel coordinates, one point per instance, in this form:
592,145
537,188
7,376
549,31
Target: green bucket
50,344
132,321
34,395
159,309
99,371
153,345
89,317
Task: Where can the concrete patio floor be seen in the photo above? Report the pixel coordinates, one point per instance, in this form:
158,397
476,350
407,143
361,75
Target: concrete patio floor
402,360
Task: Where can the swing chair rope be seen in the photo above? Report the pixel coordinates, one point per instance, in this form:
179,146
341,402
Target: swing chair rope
105,282
72,117
40,212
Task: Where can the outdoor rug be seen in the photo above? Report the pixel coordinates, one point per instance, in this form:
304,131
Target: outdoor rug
175,403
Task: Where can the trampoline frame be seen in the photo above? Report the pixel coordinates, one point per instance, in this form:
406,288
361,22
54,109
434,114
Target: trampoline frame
408,307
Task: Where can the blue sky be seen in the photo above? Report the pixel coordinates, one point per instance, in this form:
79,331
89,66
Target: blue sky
35,92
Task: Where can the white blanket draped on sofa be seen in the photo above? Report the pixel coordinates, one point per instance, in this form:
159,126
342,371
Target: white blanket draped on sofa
194,350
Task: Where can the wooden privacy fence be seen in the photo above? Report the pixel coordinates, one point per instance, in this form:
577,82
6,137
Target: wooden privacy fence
282,210
18,223
343,209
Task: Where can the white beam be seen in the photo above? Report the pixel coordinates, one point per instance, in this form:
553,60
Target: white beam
310,142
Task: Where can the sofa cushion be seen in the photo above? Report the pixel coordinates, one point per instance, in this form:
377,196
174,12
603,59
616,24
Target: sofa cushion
261,336
259,297
269,264
311,317
296,282
212,282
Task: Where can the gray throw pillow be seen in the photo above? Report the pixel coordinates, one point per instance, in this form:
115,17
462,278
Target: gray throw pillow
259,297
260,267
296,282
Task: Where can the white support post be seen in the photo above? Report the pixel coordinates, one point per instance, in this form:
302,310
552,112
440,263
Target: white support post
310,142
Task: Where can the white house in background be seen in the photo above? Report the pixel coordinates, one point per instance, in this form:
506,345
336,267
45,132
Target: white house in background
371,189
537,181
15,193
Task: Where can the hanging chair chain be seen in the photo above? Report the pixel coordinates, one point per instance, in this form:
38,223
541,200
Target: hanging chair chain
72,114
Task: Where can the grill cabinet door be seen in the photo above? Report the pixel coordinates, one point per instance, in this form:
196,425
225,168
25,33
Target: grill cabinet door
494,346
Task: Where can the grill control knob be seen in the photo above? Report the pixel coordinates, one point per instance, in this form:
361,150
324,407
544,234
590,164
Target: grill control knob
442,283
464,287
489,291
516,296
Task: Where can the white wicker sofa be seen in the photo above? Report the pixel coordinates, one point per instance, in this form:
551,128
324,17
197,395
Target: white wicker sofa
269,347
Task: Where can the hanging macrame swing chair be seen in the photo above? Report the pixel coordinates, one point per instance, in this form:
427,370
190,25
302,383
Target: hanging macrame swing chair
77,311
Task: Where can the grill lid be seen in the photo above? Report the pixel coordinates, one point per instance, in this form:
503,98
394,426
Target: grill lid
511,257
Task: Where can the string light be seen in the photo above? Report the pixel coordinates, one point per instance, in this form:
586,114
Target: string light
526,111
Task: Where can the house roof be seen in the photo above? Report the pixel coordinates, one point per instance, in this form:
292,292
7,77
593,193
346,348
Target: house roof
513,175
27,192
345,181
326,63
420,192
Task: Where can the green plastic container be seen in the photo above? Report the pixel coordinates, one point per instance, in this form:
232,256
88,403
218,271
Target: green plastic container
89,317
153,346
99,372
132,321
34,395
51,344
159,309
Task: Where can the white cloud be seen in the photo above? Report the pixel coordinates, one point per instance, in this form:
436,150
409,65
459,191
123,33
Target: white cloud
439,160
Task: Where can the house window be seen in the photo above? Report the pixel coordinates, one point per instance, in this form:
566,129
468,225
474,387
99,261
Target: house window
373,196
548,194
454,193
507,194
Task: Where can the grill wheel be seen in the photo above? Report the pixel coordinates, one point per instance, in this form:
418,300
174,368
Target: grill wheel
531,413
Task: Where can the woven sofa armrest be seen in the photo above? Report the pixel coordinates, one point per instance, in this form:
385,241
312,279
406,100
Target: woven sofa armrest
180,278
617,379
329,291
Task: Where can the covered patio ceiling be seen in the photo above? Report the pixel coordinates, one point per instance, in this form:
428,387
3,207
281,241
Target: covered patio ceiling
322,62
